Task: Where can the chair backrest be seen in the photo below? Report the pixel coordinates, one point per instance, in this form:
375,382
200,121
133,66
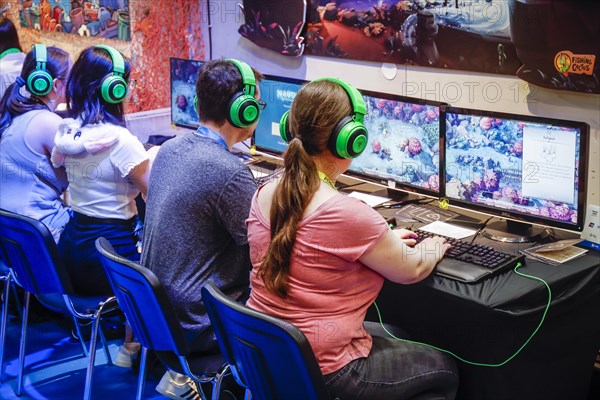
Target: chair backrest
273,357
28,248
144,301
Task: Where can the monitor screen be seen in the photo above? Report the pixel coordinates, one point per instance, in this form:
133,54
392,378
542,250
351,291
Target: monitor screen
183,90
278,93
403,150
529,169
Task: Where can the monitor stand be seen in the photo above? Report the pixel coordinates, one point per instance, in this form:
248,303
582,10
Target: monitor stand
394,195
509,231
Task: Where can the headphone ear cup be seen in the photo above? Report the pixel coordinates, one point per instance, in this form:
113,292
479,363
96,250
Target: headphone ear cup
39,82
284,127
114,89
244,110
349,138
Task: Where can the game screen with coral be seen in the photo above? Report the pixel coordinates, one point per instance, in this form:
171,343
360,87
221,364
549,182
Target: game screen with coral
525,167
183,90
279,93
403,150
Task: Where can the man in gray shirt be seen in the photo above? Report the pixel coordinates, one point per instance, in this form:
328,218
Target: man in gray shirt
198,200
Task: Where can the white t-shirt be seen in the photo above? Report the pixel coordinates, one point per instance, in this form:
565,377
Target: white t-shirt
10,68
98,184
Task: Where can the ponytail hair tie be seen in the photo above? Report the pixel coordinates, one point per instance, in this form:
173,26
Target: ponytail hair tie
20,81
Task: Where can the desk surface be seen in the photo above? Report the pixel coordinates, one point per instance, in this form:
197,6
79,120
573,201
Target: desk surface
488,321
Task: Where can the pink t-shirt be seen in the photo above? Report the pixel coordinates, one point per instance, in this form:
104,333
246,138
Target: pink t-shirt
329,289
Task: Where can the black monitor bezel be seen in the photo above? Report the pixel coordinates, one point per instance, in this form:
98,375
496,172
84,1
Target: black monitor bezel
399,185
173,122
266,150
584,130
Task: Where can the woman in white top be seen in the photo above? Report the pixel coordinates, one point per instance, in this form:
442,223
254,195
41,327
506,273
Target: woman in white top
107,169
30,185
11,54
106,165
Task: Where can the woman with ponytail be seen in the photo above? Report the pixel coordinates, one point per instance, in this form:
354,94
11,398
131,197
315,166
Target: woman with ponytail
30,185
320,258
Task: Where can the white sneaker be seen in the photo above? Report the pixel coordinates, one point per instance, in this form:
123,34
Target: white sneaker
125,356
177,387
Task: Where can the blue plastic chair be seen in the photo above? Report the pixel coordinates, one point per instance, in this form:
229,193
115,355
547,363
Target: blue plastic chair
30,252
153,320
270,357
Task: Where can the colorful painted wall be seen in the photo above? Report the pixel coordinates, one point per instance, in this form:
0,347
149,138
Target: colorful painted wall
160,29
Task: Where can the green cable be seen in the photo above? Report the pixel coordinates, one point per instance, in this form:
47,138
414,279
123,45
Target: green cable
519,265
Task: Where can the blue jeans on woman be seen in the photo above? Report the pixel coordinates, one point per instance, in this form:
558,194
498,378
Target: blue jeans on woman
78,250
395,370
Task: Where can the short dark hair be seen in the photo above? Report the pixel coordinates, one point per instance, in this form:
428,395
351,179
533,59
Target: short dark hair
84,94
218,81
9,39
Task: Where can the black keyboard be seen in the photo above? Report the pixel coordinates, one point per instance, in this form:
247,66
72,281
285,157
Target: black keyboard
467,262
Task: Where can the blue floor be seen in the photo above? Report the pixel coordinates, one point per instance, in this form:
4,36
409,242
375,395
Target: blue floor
55,366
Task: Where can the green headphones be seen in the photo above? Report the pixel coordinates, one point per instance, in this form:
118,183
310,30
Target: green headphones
244,109
39,82
114,86
349,137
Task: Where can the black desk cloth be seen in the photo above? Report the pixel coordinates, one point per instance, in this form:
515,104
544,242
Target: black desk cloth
487,322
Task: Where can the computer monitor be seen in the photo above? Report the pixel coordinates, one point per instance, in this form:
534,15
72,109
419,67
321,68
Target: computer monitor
528,169
279,93
184,73
404,149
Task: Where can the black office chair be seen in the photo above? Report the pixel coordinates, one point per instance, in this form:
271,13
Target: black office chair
30,252
269,356
152,317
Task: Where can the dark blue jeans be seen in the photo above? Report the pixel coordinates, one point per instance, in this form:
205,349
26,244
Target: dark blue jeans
79,252
395,370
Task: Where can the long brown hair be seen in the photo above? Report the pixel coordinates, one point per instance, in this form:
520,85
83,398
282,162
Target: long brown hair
315,112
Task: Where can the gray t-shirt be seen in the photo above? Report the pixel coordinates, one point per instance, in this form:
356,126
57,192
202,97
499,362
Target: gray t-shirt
198,200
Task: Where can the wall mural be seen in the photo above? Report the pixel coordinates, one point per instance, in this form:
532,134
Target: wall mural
551,43
463,35
97,18
275,25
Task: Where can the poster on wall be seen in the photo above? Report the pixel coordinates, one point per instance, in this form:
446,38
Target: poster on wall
275,25
100,18
558,43
551,43
462,35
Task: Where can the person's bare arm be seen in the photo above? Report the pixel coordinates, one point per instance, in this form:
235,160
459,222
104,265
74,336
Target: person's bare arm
399,263
139,176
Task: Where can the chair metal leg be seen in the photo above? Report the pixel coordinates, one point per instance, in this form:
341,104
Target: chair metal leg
105,345
22,346
4,321
87,393
80,335
142,375
218,380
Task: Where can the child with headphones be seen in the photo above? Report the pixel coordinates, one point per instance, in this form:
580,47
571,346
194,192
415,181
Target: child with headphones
320,258
107,167
30,185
